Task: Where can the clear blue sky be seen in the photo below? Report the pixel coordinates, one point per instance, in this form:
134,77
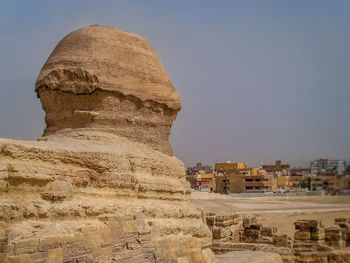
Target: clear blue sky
259,80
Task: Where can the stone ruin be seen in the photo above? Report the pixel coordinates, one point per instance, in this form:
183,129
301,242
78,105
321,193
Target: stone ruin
312,241
315,243
232,233
101,184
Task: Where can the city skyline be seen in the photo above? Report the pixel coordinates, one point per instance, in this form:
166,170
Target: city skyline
309,164
259,81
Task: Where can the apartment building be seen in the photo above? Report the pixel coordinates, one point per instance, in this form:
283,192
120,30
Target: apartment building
229,167
299,177
322,165
277,168
245,183
198,167
204,182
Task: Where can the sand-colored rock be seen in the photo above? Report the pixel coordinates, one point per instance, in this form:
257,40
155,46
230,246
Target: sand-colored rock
340,256
99,187
122,85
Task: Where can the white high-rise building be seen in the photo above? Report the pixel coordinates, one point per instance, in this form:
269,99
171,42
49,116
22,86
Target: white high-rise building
324,164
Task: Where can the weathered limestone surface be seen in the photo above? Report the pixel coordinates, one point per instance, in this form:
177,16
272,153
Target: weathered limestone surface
122,85
232,233
340,256
101,185
312,241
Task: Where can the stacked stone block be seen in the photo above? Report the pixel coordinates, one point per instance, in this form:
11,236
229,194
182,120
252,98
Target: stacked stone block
344,224
252,230
312,241
334,237
281,240
309,242
249,235
339,256
225,228
308,232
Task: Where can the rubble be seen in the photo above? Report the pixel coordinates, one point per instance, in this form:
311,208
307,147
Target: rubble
312,241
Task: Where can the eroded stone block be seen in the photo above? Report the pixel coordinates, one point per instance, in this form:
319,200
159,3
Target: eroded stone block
302,235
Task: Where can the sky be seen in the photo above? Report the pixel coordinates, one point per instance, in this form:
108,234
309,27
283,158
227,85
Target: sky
259,80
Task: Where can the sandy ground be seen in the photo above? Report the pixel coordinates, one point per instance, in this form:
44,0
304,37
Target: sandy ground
249,257
279,211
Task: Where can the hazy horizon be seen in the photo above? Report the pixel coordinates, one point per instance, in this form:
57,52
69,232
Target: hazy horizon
259,80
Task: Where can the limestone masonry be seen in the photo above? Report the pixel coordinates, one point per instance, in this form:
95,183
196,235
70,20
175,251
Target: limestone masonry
123,87
312,242
101,185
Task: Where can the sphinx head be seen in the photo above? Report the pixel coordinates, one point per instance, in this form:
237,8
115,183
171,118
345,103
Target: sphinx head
109,80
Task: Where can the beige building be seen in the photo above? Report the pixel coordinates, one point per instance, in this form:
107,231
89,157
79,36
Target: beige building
283,181
277,168
249,171
245,181
204,181
299,177
330,182
238,178
229,167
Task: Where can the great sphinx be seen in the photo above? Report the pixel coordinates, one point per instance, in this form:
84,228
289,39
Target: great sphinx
101,184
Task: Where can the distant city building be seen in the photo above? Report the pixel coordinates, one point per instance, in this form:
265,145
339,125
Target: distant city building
200,177
299,177
330,182
331,176
199,167
249,171
204,182
281,173
299,171
283,181
236,177
229,167
323,165
244,183
278,167
347,171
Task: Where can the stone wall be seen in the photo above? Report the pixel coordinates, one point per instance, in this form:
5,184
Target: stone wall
313,240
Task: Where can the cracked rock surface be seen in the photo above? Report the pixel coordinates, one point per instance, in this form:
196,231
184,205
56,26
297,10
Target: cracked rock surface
101,185
122,85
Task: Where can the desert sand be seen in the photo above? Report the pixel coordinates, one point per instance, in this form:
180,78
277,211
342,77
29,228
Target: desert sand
278,211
